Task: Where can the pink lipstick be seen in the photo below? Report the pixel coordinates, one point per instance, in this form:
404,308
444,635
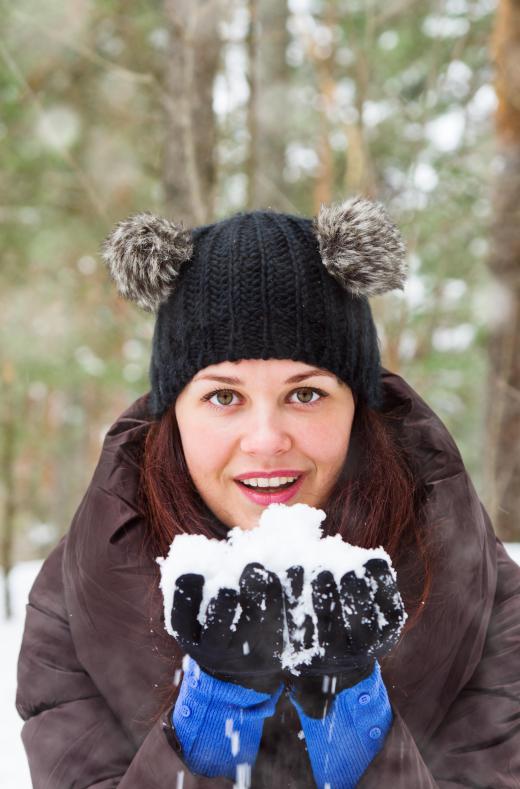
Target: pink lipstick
265,497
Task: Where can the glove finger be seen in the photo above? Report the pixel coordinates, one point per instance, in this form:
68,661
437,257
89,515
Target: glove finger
187,598
360,615
261,603
299,623
259,591
327,606
389,602
295,578
220,625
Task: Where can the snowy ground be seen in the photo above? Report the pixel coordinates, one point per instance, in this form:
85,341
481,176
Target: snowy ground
513,549
14,773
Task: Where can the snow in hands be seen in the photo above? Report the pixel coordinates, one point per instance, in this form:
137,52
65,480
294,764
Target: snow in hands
288,542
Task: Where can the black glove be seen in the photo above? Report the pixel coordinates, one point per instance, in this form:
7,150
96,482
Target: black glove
349,631
241,645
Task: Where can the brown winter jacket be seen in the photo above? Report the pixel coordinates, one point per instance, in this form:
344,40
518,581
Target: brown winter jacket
95,660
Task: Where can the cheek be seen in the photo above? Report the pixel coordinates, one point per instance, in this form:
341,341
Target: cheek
205,453
326,445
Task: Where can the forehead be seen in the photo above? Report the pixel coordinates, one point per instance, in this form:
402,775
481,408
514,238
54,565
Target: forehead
252,369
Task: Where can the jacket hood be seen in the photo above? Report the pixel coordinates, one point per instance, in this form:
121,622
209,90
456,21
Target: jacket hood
96,665
433,661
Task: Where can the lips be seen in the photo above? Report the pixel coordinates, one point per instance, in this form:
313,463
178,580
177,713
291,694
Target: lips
275,472
263,497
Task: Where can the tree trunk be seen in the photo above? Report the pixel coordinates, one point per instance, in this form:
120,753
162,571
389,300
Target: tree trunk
502,453
251,163
269,78
190,129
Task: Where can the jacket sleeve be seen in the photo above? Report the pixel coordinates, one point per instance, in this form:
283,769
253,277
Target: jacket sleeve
478,742
71,736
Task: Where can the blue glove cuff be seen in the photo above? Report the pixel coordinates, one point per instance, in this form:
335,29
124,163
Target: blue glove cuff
219,724
343,743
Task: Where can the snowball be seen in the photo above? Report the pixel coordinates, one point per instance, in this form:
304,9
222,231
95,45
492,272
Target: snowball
286,536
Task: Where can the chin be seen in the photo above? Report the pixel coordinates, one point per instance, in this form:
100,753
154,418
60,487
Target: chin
248,526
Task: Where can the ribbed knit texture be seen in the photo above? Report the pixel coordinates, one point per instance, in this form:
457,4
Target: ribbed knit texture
256,288
343,743
219,724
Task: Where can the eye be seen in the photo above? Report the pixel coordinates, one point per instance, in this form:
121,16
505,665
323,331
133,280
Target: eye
305,394
224,398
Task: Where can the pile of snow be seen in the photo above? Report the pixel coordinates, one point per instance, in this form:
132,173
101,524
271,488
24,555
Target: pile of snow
286,536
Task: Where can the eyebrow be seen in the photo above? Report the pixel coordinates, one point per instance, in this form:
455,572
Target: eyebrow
294,379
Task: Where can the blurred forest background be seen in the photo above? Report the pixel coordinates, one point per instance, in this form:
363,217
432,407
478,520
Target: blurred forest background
198,108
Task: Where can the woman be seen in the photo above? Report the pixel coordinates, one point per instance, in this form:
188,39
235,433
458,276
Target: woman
265,362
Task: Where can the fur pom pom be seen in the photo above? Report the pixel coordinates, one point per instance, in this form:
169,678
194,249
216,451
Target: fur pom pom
144,254
361,247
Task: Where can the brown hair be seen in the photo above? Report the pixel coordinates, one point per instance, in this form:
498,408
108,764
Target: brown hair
375,501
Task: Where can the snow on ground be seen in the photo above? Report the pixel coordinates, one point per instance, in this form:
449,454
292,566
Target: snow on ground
14,773
513,549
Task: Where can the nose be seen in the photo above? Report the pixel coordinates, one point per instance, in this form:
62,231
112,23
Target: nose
265,434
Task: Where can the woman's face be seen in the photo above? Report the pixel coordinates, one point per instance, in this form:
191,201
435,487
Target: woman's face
263,421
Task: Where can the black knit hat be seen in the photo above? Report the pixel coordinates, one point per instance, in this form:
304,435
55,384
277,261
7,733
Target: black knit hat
261,285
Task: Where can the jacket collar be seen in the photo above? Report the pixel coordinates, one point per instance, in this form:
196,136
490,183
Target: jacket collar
430,665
